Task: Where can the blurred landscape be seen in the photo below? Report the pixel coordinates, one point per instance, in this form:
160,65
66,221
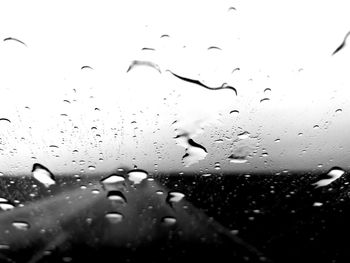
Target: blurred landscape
240,217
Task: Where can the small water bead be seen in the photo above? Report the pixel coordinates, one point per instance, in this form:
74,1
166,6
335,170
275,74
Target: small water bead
137,175
6,206
237,159
243,135
92,168
4,247
116,196
338,111
175,197
21,225
112,179
114,217
234,113
168,221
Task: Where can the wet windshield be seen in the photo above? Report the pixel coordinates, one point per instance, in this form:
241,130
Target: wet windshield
191,129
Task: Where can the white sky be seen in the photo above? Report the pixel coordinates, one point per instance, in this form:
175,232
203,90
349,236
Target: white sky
283,46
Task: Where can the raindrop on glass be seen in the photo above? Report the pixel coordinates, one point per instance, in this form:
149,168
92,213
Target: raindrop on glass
174,197
237,159
21,225
112,179
114,217
234,113
338,111
137,175
334,174
92,168
3,246
264,100
168,220
43,175
116,196
5,206
243,135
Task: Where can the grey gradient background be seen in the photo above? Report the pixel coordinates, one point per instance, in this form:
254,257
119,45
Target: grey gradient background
285,47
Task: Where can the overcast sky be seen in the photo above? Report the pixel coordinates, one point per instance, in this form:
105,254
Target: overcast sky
68,118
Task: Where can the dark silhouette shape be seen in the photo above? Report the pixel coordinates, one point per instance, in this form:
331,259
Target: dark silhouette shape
232,8
197,82
15,39
342,45
148,48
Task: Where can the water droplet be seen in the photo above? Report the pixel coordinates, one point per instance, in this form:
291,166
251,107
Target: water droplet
217,166
234,113
136,63
67,259
86,67
174,197
147,49
43,175
20,225
114,217
4,246
53,146
317,204
214,47
159,192
264,100
112,179
206,175
194,151
244,135
116,196
277,140
92,168
237,159
95,191
137,175
234,232
316,127
334,174
168,220
338,111
4,120
5,206
264,154
15,40
267,91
